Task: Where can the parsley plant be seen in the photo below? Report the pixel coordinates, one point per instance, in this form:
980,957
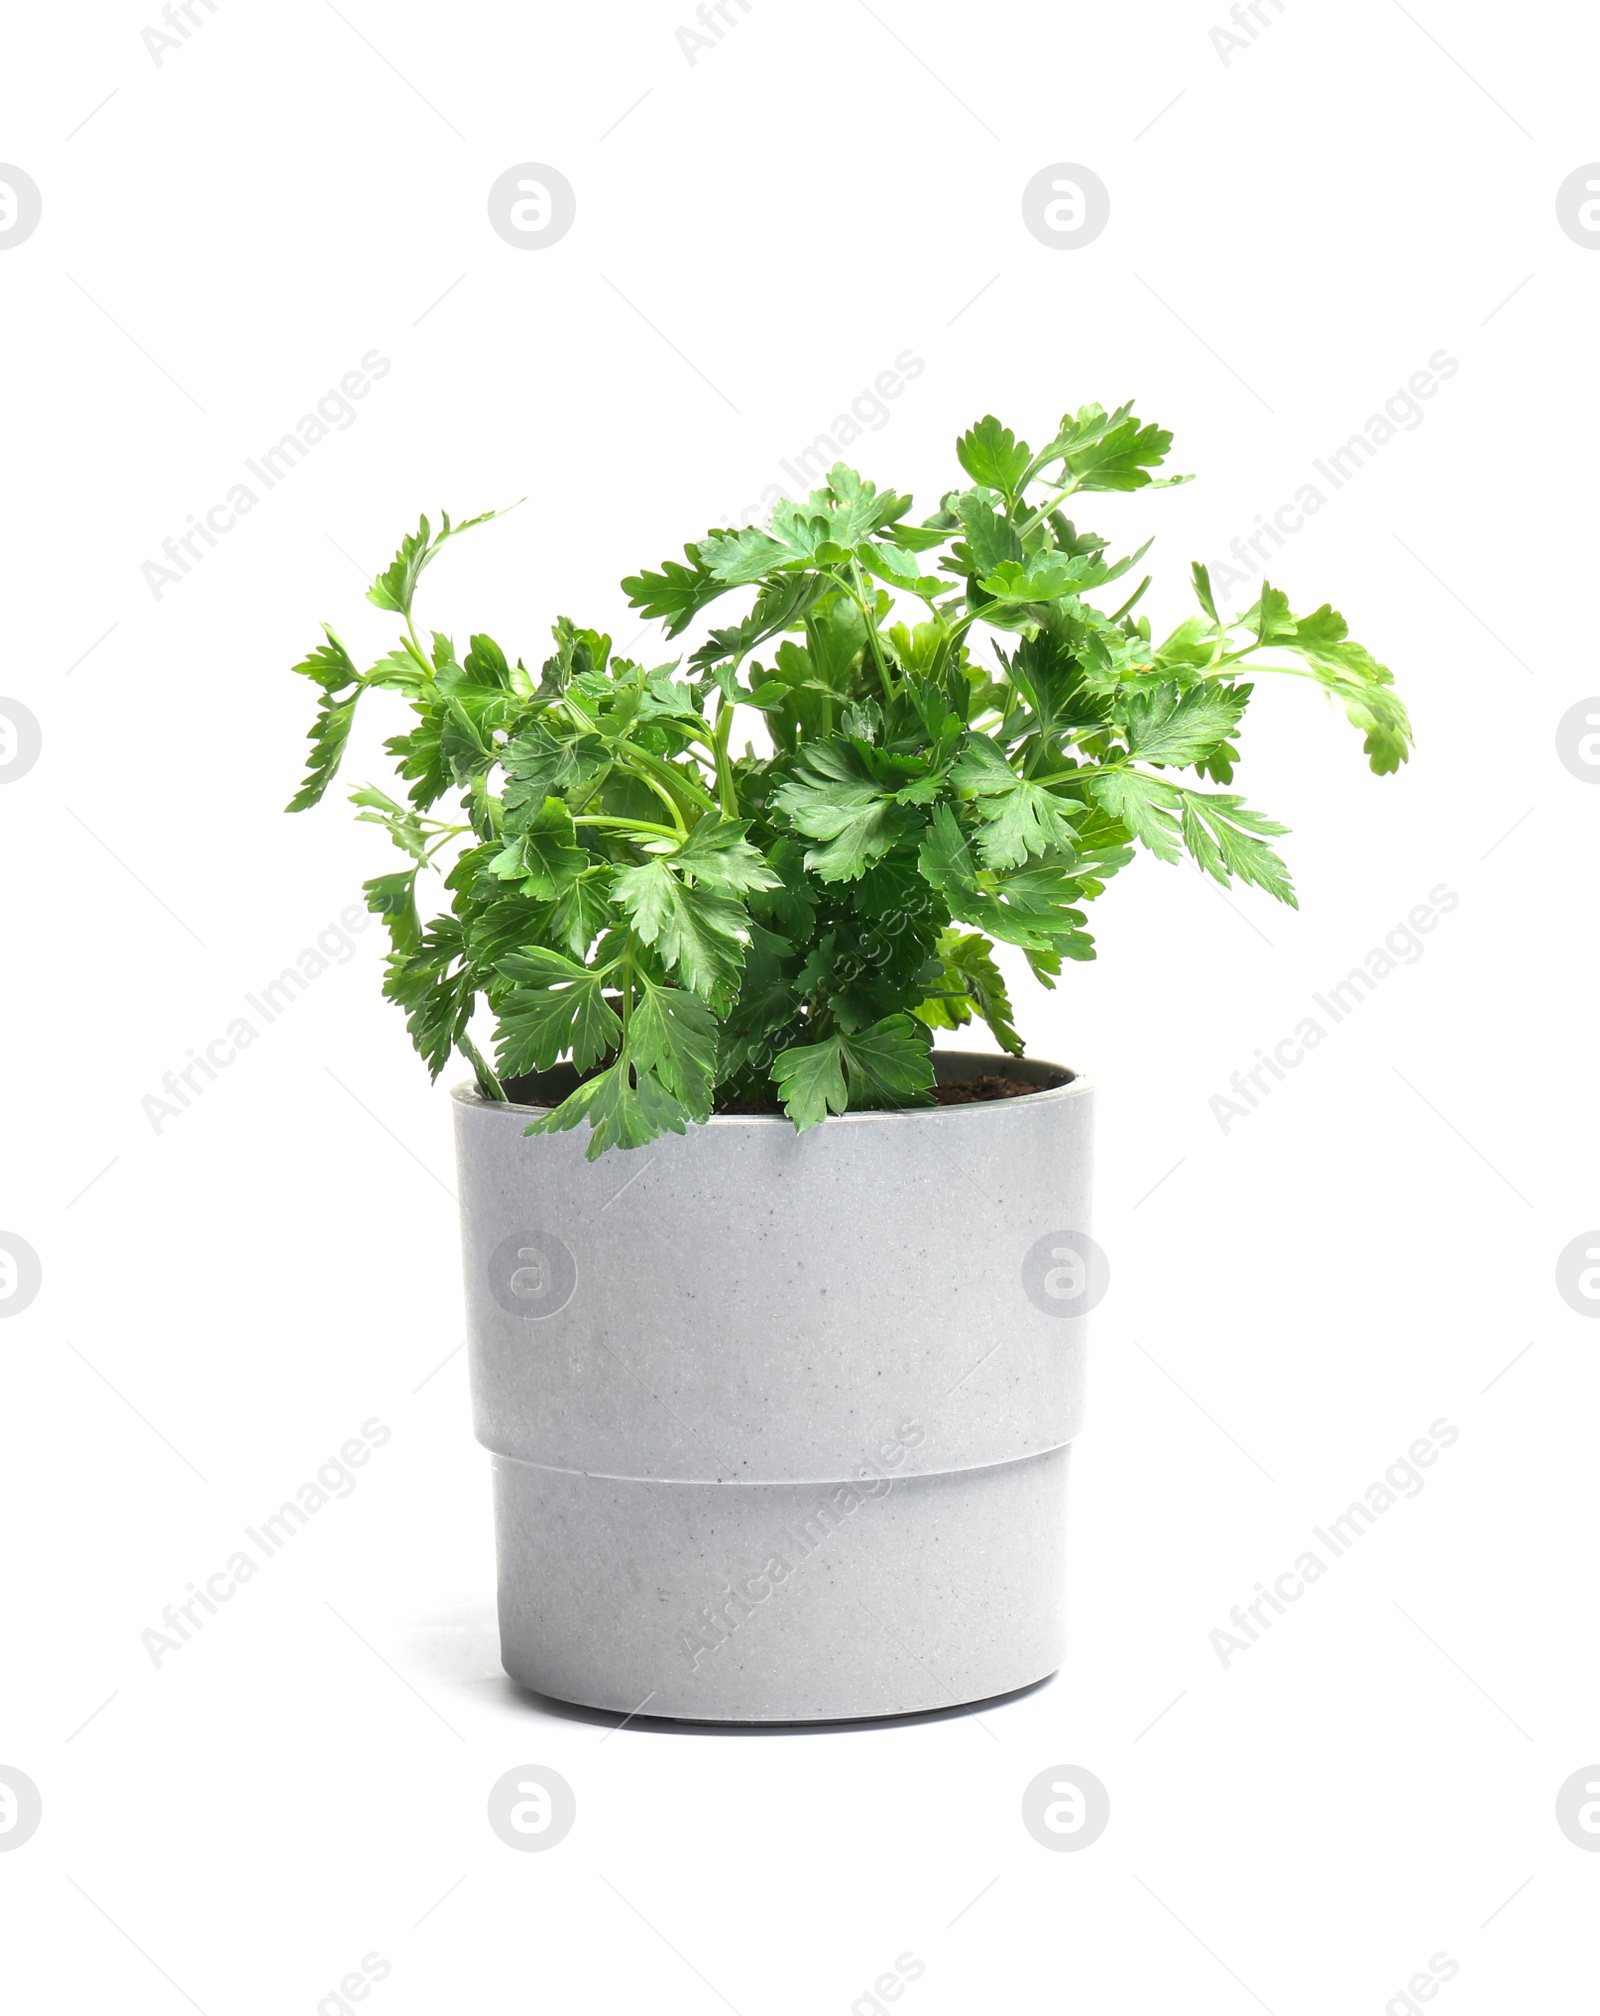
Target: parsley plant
697,930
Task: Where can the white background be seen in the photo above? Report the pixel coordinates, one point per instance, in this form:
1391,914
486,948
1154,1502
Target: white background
229,1298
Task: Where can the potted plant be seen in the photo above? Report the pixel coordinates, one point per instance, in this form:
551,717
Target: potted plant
776,1310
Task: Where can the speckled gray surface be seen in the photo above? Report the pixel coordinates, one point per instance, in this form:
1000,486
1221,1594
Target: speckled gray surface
779,1433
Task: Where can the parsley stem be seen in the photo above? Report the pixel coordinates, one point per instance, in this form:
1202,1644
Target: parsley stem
727,789
630,825
415,643
667,799
1038,517
674,779
1084,771
438,840
951,638
870,618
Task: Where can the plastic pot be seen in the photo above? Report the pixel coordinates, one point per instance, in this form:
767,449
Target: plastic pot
780,1422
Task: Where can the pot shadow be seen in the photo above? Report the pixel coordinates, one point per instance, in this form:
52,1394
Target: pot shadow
463,1650
672,1725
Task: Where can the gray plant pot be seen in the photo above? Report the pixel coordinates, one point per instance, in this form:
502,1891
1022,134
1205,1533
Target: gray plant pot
780,1423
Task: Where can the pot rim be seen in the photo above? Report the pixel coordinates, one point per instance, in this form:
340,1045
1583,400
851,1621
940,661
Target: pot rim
1074,1084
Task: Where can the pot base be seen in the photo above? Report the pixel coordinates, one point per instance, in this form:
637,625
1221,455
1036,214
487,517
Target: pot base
782,1603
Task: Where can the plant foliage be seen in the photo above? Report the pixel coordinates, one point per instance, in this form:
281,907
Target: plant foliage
692,928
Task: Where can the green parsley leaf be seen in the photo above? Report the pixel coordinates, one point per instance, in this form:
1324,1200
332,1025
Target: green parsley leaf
676,594
1171,724
1347,669
555,1007
543,856
810,1081
1107,451
673,1035
886,1065
969,981
620,1113
397,584
1020,817
700,936
991,538
717,856
993,457
834,797
1218,829
437,986
394,899
330,666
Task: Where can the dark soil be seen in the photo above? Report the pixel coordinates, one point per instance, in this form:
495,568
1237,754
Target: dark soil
959,1092
969,1091
550,1088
